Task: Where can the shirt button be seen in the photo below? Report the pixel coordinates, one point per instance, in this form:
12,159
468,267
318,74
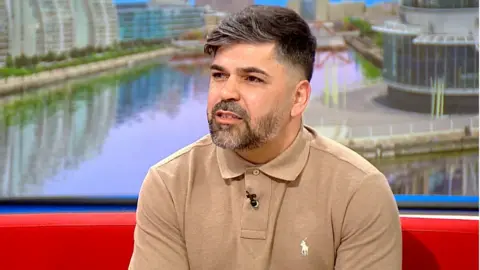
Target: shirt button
256,172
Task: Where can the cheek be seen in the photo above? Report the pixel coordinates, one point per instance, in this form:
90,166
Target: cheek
212,99
258,105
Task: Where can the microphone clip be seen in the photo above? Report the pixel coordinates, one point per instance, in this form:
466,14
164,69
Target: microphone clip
253,200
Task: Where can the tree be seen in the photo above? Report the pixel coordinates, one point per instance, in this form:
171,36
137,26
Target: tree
61,57
74,53
195,34
35,60
378,39
369,70
362,25
50,57
9,61
89,50
22,61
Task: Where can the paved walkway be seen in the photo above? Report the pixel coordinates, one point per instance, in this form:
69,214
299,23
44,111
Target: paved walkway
364,117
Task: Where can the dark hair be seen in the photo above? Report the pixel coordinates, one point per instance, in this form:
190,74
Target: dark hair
264,24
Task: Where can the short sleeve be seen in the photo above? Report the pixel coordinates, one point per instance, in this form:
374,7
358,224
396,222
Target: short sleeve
371,237
159,243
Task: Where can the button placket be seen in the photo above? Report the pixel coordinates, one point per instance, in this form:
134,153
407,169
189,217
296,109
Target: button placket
255,211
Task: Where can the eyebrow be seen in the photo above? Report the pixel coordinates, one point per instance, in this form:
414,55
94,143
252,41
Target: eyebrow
240,70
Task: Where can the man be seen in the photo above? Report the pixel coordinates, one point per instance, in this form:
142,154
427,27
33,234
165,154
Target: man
262,191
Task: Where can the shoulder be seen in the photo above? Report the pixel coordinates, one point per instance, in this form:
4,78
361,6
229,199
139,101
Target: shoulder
352,181
180,157
175,170
346,170
338,156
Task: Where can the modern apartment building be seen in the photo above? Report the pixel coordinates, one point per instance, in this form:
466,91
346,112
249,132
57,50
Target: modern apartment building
54,26
37,27
229,6
156,22
432,42
4,31
102,21
323,10
21,26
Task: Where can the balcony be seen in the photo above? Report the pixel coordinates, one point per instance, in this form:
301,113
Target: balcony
398,28
446,40
458,21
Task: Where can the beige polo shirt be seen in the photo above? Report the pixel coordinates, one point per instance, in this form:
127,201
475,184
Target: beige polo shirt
321,206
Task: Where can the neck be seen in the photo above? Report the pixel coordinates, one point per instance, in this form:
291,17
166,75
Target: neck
273,148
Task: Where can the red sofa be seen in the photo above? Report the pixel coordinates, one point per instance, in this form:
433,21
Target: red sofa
104,241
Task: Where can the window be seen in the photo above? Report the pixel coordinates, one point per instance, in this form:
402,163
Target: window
441,3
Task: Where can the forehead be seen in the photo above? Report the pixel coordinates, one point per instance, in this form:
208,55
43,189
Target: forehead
248,55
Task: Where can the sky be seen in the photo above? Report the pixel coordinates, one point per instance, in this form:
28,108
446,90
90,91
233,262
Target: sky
259,2
266,2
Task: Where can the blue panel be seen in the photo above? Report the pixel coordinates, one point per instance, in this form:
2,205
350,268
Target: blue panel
436,199
116,2
31,209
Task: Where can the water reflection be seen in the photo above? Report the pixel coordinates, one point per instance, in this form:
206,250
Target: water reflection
98,138
51,136
450,175
337,73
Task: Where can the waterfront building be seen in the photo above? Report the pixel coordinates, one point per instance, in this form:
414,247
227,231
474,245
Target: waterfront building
307,10
54,28
102,22
157,21
228,6
432,44
21,27
212,19
4,32
41,26
323,10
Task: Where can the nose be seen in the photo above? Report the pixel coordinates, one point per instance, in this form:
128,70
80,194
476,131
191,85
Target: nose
229,91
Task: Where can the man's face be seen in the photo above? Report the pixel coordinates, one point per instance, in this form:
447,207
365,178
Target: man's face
249,99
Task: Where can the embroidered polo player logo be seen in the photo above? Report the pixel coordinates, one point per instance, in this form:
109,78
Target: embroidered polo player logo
304,247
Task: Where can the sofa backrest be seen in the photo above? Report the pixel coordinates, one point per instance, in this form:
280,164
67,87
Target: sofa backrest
440,242
104,241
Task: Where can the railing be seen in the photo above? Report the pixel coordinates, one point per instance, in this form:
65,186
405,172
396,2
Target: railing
348,87
363,84
437,125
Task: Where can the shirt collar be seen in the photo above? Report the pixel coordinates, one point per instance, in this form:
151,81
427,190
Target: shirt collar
287,166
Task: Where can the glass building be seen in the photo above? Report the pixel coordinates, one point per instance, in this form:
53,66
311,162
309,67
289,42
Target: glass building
155,22
307,10
432,41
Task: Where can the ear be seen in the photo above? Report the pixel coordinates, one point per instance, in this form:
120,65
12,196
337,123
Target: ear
301,96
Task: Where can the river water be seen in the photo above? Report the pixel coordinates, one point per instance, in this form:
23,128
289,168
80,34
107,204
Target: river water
98,137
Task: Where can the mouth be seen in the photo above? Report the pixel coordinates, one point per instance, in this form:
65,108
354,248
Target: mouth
227,118
227,115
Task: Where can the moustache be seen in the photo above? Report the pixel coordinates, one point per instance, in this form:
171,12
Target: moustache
230,106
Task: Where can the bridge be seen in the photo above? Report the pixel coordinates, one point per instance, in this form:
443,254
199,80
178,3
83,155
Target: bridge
328,38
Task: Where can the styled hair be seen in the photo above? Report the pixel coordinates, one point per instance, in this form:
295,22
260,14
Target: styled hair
294,42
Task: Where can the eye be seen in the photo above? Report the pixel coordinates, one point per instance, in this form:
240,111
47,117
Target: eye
218,75
254,79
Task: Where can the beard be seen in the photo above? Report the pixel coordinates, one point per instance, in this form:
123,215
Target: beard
242,136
